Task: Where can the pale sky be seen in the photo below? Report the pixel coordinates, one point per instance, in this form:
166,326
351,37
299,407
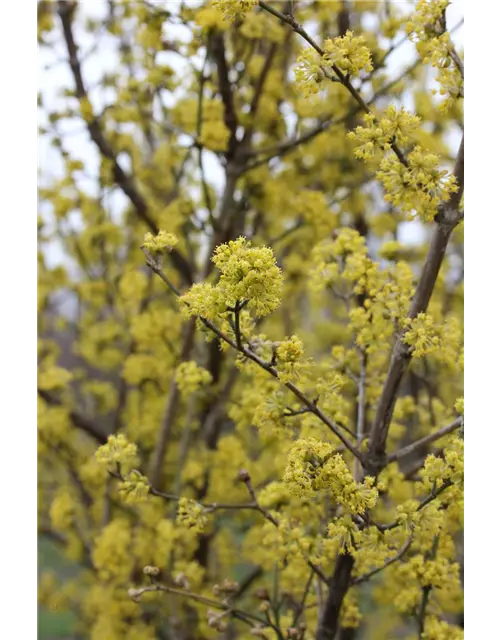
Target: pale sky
54,73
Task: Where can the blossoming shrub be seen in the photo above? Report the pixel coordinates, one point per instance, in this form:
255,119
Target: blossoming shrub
250,386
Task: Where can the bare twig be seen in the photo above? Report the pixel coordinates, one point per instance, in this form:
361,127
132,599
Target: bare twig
136,593
426,592
245,478
79,421
171,407
429,439
360,423
387,563
225,89
423,503
302,604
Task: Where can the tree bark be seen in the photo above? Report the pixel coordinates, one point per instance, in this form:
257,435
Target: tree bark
339,585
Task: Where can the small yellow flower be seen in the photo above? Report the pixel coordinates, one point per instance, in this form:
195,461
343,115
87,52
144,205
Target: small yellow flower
191,514
117,450
163,241
232,9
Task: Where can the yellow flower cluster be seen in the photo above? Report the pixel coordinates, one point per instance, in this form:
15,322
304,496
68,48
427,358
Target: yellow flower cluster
349,53
312,206
54,378
289,352
190,377
436,629
139,367
131,287
269,416
208,17
313,466
309,73
160,242
427,337
134,488
350,614
232,9
437,470
418,188
261,25
395,125
249,275
428,21
117,450
86,109
344,532
111,554
214,135
418,572
347,254
191,514
274,495
62,511
153,328
427,27
102,394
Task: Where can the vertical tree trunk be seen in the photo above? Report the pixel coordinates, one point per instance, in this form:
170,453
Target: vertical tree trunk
339,585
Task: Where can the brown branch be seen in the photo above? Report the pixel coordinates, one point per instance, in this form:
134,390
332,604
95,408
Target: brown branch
61,540
247,582
457,60
136,593
419,444
447,218
218,51
171,407
312,406
387,563
412,470
302,604
79,421
254,105
423,503
361,409
245,478
66,10
343,19
426,592
338,587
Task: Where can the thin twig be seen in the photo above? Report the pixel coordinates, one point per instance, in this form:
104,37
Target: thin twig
136,593
415,446
332,426
171,406
426,592
245,478
387,563
423,503
360,423
302,604
79,421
